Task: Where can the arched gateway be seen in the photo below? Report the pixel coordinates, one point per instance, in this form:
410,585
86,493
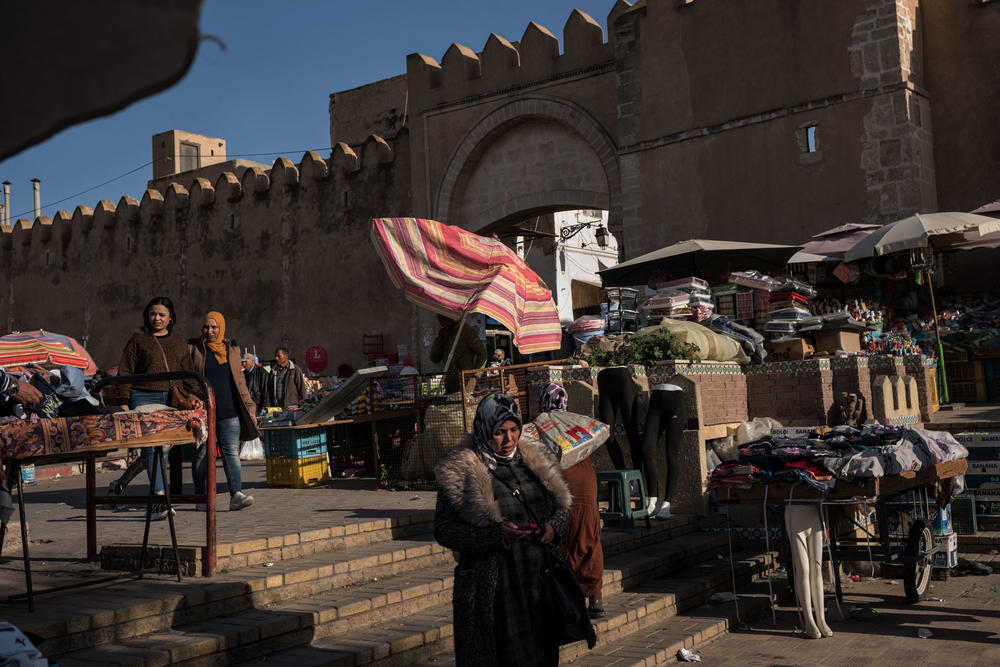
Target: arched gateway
530,155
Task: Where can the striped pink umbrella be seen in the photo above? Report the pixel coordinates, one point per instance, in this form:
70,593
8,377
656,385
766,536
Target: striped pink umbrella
454,272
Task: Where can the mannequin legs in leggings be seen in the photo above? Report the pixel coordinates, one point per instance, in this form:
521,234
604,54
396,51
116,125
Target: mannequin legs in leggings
619,394
666,415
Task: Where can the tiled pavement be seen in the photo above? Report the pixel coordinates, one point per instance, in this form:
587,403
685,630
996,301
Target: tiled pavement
881,630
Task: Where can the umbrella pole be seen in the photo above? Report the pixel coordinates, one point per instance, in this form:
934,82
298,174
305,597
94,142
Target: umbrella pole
454,343
940,350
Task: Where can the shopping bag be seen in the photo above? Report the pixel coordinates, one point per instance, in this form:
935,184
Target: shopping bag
571,435
252,450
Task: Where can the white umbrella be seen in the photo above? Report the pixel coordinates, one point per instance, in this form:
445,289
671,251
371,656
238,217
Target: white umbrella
917,231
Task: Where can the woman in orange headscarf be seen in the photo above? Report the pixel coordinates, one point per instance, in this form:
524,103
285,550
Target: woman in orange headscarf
218,359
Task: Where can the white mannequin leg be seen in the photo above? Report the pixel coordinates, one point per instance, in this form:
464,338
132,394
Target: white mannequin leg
805,535
816,578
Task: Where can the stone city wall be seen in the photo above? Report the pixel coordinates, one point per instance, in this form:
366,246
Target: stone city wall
285,254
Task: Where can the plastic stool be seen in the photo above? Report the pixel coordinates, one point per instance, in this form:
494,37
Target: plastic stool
620,497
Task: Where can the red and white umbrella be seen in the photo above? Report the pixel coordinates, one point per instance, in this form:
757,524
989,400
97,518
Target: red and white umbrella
454,272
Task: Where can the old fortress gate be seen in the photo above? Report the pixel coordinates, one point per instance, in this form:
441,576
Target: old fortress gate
766,120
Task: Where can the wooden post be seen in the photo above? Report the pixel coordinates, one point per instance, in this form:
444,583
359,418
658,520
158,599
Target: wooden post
454,343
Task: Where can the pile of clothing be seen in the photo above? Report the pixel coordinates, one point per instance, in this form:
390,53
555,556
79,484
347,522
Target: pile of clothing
841,453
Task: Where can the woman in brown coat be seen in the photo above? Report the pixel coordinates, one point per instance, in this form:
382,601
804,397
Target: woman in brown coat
154,348
218,359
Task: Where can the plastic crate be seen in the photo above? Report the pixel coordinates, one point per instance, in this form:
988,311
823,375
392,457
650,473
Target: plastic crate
725,304
744,305
973,371
295,443
297,473
966,391
993,390
963,514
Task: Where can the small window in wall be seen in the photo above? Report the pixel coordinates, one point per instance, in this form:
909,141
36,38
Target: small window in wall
190,156
811,138
807,139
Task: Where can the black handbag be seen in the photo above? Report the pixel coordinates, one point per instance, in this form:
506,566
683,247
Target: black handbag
561,597
565,603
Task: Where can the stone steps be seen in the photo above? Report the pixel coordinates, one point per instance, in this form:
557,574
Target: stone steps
983,542
127,609
655,643
428,634
85,622
248,553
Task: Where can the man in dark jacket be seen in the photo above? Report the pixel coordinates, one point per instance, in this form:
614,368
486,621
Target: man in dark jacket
286,385
256,379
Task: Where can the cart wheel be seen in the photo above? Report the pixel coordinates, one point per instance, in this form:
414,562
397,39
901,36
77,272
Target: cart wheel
917,572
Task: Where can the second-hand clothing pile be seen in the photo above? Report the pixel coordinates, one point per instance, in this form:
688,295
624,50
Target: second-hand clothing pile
843,453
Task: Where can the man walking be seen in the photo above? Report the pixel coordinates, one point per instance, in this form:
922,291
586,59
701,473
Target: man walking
286,385
256,379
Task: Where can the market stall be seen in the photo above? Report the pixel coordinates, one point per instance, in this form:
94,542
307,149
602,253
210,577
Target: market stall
906,476
84,437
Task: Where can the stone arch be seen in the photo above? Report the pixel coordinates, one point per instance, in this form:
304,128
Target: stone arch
453,192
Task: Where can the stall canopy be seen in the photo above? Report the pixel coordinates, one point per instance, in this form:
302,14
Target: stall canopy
833,243
455,272
921,231
699,257
943,231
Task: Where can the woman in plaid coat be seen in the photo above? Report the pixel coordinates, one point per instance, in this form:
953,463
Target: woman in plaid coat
498,615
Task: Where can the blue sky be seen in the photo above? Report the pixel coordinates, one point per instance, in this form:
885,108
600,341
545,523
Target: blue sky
269,90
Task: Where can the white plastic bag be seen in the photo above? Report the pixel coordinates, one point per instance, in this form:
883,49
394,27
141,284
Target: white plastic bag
754,430
252,450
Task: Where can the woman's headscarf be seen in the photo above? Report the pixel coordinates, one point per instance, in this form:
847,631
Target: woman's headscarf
552,398
217,348
493,411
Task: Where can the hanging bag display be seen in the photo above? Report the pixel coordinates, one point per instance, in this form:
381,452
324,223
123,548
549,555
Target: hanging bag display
179,398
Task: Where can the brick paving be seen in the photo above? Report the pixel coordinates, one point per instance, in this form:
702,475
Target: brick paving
881,629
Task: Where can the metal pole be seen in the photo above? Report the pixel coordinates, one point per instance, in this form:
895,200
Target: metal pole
454,344
91,507
210,499
940,349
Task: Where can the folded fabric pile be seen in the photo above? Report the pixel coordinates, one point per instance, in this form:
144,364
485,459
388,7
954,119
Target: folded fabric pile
842,453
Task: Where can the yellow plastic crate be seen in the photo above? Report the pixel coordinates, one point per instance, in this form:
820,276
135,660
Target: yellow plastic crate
297,473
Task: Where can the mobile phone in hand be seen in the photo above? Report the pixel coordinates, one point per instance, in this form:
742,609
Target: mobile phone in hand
529,526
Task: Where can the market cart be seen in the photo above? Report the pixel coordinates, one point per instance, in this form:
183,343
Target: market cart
901,534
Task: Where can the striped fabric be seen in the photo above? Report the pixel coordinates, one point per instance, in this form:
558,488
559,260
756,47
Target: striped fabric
45,349
450,270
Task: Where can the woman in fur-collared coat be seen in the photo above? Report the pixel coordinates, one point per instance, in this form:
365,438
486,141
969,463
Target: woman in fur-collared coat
498,615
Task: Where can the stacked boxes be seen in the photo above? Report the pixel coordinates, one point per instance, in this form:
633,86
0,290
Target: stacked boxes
945,540
296,457
622,314
786,310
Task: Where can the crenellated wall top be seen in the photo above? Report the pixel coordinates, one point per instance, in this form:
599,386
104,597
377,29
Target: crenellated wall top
502,64
199,192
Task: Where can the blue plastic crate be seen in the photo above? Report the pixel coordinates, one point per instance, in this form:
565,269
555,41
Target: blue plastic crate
295,443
